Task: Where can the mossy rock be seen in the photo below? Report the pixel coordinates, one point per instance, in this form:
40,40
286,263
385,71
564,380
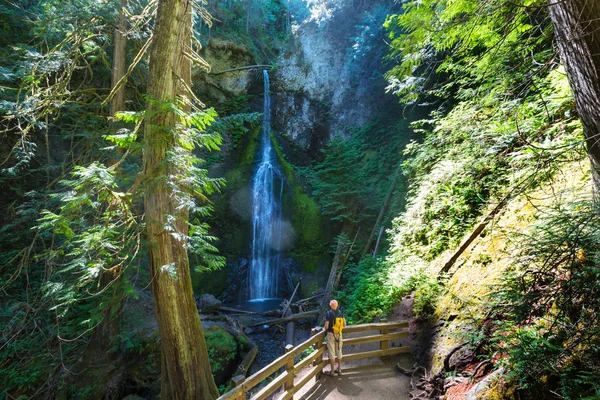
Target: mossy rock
222,351
304,211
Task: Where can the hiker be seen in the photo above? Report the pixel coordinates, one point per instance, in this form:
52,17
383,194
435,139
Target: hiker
334,323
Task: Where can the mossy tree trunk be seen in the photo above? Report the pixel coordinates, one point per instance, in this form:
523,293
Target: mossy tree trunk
577,26
186,372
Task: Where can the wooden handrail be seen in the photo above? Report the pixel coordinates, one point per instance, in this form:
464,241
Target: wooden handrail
286,379
375,327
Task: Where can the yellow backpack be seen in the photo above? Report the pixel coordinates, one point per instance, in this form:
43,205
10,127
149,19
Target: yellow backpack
338,324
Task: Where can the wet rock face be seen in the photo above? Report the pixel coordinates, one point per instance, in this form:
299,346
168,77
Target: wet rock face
331,76
223,55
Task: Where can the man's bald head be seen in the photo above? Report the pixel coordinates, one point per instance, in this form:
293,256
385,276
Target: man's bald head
333,304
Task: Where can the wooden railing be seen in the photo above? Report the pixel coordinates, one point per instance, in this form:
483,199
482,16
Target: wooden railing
243,385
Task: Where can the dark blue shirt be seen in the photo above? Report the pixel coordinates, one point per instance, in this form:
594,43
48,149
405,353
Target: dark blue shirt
331,316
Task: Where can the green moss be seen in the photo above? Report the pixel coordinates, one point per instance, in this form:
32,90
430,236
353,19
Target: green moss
213,282
306,218
222,347
305,213
237,178
249,154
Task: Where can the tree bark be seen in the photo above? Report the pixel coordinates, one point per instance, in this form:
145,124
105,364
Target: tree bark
119,66
577,26
186,372
103,340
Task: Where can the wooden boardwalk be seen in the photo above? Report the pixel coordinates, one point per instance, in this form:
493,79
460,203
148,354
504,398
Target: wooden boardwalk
370,350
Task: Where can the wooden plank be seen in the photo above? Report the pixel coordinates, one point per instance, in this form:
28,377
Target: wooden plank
289,369
271,387
375,327
374,338
308,360
309,342
232,394
376,353
317,339
290,394
261,375
384,344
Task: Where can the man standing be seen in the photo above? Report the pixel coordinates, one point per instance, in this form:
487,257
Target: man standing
334,323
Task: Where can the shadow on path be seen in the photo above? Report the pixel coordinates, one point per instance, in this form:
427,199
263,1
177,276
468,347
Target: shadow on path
376,381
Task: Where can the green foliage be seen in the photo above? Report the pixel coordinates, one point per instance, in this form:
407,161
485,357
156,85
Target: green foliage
222,348
337,182
354,176
473,156
427,291
472,46
368,293
259,24
548,310
504,123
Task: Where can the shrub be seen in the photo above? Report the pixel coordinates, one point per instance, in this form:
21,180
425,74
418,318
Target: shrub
549,310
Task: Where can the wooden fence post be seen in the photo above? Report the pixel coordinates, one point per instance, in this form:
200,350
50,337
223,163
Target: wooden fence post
239,380
385,342
289,367
318,345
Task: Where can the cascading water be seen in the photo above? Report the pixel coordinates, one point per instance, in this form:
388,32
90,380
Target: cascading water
266,213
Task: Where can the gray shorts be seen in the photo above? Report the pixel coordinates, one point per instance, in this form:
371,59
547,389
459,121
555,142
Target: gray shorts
334,347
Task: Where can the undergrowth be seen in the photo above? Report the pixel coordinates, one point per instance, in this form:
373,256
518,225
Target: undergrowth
547,317
369,293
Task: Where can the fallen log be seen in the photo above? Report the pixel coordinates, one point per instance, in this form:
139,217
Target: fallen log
309,299
241,68
248,360
287,306
328,295
235,311
288,313
294,317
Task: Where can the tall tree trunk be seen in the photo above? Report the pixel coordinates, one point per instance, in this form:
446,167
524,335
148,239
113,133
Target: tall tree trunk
577,26
117,103
103,340
186,372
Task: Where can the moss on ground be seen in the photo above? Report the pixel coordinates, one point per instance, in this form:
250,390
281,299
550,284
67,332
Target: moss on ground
480,269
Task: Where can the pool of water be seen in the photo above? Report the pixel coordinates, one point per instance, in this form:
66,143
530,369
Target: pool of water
258,305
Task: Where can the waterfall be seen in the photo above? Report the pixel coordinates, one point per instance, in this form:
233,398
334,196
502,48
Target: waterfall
266,212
